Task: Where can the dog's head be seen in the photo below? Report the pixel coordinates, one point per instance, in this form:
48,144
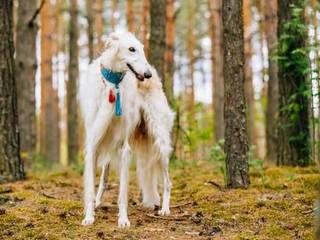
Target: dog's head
124,52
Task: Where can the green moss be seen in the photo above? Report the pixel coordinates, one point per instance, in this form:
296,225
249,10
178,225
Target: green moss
272,208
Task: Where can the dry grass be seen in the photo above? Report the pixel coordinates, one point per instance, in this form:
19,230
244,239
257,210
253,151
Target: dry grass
278,205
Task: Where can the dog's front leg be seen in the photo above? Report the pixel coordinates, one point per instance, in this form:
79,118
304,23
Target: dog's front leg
123,220
89,175
94,136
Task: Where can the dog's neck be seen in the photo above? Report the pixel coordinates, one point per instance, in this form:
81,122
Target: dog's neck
110,61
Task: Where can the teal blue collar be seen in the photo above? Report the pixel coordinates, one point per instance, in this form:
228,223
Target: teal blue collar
114,78
111,76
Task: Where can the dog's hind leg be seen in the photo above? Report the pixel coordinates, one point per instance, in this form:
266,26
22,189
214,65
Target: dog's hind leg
123,220
165,210
102,184
148,181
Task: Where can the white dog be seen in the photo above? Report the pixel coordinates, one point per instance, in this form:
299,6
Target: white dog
120,117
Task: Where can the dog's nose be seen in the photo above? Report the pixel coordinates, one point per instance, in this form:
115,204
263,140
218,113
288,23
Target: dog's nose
147,74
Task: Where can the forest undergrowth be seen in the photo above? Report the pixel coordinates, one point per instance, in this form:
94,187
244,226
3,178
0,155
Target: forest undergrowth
279,204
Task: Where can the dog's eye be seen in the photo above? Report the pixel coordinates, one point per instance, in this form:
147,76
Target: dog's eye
132,49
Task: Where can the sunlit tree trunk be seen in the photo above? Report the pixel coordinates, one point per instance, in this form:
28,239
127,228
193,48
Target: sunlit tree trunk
11,165
236,142
217,67
191,41
270,14
294,132
316,129
169,54
248,82
49,116
26,65
130,16
114,7
72,117
98,25
145,25
90,30
157,40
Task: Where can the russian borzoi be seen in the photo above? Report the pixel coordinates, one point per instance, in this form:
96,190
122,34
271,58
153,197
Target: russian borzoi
125,111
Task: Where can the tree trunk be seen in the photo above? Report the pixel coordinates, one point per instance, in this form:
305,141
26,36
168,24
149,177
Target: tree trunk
98,23
11,165
270,9
294,132
158,36
236,142
169,54
26,64
294,138
248,82
49,112
217,67
145,25
90,30
72,117
130,16
114,7
191,41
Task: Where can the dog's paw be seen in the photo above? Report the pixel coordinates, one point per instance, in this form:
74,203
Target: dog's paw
164,212
97,203
123,222
88,220
151,202
150,205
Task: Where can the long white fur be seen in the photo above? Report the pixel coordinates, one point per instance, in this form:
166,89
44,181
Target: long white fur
111,139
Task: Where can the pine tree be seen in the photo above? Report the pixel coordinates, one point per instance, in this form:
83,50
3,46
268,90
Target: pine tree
236,142
157,40
26,65
11,166
294,132
248,81
169,54
270,15
72,107
90,30
130,16
49,111
145,25
217,66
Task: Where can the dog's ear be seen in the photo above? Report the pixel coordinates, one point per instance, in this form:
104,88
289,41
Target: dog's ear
111,41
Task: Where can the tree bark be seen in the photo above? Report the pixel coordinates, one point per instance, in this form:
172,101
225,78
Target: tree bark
217,67
169,54
114,7
26,64
98,23
248,82
90,30
49,111
236,142
11,165
270,9
145,25
72,107
191,41
158,36
130,16
294,132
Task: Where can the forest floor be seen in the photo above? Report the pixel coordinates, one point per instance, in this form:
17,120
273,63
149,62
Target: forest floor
278,205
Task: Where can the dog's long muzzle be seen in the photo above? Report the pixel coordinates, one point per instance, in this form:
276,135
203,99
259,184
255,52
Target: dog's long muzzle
138,75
